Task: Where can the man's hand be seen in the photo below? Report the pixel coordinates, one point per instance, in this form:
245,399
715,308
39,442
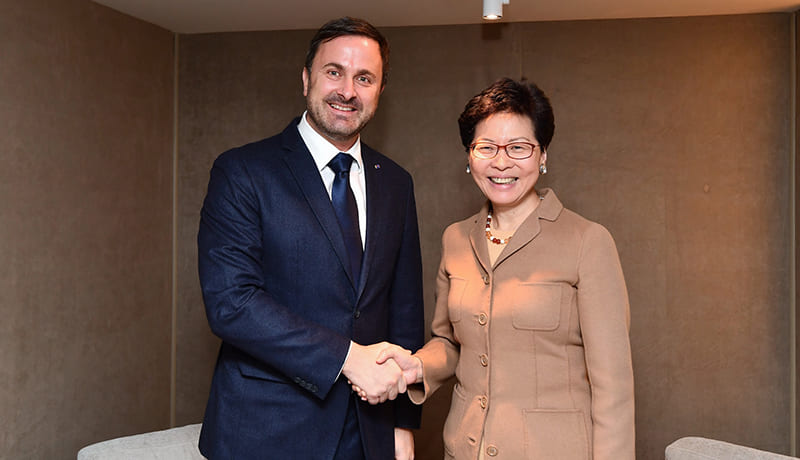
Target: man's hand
376,382
403,444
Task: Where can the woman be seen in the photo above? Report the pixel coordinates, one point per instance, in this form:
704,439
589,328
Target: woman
531,312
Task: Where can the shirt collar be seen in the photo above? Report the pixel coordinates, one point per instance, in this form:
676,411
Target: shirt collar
323,151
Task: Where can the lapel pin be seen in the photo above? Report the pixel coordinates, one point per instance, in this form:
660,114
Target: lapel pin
377,166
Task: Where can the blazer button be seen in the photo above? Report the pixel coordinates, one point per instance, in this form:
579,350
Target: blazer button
484,402
485,279
357,314
484,360
482,319
491,451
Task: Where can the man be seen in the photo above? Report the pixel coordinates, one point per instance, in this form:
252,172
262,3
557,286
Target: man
299,309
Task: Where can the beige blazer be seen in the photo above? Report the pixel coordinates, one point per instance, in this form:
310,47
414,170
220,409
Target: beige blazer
538,342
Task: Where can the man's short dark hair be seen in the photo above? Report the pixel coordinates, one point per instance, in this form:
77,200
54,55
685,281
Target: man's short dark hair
349,26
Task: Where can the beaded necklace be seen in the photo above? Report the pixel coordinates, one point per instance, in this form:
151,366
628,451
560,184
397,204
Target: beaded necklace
489,235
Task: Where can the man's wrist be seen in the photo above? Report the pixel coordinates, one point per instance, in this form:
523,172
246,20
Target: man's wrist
349,349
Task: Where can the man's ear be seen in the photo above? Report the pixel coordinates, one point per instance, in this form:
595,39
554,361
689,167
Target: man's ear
304,76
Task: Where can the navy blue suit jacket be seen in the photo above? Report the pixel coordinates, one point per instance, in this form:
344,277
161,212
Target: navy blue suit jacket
277,291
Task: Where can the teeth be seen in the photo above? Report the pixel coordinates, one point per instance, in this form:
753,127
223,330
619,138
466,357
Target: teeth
340,107
502,180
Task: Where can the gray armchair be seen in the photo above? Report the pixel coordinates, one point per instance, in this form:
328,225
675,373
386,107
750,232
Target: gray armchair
173,444
694,448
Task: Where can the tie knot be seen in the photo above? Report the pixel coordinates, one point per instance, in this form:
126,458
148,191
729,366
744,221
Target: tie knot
341,163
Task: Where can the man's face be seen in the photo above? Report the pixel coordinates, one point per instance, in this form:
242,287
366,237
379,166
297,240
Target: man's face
343,87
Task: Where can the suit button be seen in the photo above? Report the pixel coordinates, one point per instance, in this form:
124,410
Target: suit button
491,451
485,279
484,402
484,360
357,314
482,319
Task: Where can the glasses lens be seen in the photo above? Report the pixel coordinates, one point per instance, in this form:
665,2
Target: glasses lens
484,150
519,150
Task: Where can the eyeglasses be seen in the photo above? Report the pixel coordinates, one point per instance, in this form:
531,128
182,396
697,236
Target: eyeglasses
514,150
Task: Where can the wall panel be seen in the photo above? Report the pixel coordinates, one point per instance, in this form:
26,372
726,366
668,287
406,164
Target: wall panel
85,226
674,133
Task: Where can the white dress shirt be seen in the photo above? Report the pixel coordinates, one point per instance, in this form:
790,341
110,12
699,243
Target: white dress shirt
323,152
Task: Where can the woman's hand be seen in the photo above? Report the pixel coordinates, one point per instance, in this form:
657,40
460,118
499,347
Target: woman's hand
410,365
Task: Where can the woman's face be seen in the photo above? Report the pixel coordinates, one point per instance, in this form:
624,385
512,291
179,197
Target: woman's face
506,182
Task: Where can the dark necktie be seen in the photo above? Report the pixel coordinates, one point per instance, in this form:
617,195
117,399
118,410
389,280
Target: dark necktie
344,203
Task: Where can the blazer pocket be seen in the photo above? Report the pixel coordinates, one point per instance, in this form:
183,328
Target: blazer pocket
255,371
452,424
455,297
557,434
537,307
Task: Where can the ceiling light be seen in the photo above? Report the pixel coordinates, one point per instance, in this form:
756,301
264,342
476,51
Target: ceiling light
493,9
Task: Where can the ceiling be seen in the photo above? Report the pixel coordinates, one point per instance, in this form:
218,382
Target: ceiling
201,16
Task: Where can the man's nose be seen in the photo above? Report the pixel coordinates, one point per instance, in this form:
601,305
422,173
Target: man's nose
347,88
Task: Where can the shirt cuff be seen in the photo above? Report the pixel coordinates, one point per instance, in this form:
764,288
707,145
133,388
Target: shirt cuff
345,360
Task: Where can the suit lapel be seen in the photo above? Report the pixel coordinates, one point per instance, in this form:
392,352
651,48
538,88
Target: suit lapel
377,206
302,166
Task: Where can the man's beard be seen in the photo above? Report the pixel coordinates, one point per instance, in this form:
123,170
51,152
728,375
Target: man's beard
333,128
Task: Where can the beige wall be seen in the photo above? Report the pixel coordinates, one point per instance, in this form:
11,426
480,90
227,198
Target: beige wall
85,226
796,389
674,133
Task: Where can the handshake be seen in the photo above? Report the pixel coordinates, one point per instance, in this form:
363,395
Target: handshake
381,371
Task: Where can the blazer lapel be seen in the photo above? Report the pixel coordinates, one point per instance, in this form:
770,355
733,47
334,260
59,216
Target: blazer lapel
477,237
524,235
377,206
549,209
302,166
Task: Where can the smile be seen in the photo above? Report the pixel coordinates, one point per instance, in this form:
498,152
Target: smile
343,108
503,180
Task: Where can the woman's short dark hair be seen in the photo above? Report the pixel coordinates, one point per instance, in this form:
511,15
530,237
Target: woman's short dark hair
349,26
507,95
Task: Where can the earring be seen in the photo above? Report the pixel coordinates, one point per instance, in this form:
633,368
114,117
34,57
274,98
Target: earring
542,169
468,170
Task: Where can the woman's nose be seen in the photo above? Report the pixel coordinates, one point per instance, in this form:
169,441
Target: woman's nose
502,160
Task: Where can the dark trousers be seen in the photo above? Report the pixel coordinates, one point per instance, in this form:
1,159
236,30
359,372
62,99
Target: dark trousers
350,447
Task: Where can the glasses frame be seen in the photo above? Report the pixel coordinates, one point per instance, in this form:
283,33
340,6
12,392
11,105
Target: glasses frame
498,147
